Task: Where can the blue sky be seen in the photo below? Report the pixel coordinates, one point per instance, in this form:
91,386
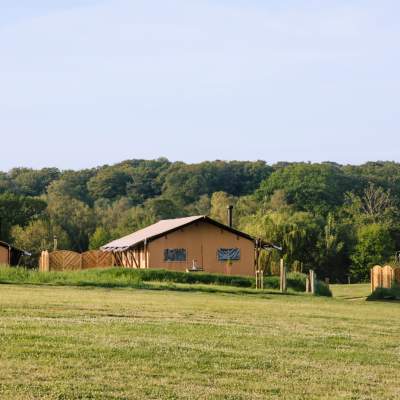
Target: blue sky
89,82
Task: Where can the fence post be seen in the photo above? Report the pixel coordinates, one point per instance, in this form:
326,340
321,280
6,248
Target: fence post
257,279
372,281
308,284
283,285
262,279
44,262
47,263
313,278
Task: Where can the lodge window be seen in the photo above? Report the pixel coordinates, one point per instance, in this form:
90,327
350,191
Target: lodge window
175,255
228,254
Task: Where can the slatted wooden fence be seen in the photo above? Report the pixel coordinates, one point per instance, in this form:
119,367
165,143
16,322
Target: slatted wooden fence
97,259
384,277
64,260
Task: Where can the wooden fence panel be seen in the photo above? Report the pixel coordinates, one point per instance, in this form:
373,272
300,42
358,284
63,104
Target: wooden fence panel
387,276
97,259
384,277
64,260
397,276
376,277
44,262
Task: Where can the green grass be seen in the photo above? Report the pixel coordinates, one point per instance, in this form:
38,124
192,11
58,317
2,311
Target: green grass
97,343
96,278
351,292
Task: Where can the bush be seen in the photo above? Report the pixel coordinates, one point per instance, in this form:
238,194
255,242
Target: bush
162,275
118,277
322,289
386,294
297,282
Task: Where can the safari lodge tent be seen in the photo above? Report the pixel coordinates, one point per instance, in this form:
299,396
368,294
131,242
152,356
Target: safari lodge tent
194,243
9,255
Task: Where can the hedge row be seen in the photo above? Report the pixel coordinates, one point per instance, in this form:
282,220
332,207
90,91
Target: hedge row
121,277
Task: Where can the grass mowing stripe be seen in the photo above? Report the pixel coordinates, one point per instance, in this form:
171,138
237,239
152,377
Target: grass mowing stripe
93,343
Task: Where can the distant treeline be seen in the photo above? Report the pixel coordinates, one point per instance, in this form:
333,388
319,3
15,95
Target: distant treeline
338,220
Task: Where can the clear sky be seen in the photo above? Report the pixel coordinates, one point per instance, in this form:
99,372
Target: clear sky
89,82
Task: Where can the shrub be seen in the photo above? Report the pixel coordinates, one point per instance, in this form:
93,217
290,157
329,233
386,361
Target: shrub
161,275
297,282
322,289
386,294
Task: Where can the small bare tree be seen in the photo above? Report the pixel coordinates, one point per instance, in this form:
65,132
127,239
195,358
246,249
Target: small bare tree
376,202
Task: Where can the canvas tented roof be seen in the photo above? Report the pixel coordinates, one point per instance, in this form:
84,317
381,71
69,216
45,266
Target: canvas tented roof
152,231
163,227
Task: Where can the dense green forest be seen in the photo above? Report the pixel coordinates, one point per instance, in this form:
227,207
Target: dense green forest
338,220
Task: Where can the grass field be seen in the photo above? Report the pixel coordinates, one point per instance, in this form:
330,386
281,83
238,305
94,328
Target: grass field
351,292
94,343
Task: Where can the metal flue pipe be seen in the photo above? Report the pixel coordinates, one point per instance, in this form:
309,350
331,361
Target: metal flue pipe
230,216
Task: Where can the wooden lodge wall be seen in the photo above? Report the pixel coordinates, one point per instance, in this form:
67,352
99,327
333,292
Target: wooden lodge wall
4,255
64,260
384,277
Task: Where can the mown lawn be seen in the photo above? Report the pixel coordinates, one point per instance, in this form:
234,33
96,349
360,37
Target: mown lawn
91,343
352,292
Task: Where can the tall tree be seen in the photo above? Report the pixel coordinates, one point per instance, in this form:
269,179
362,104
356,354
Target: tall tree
17,210
30,182
374,246
109,183
220,201
73,217
37,236
317,188
73,184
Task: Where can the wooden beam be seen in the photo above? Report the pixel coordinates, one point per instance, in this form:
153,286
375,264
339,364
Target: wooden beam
146,266
118,259
134,259
128,259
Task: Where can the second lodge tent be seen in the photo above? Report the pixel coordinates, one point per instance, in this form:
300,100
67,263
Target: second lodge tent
9,255
198,243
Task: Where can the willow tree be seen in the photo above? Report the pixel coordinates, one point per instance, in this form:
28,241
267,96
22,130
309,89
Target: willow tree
295,232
